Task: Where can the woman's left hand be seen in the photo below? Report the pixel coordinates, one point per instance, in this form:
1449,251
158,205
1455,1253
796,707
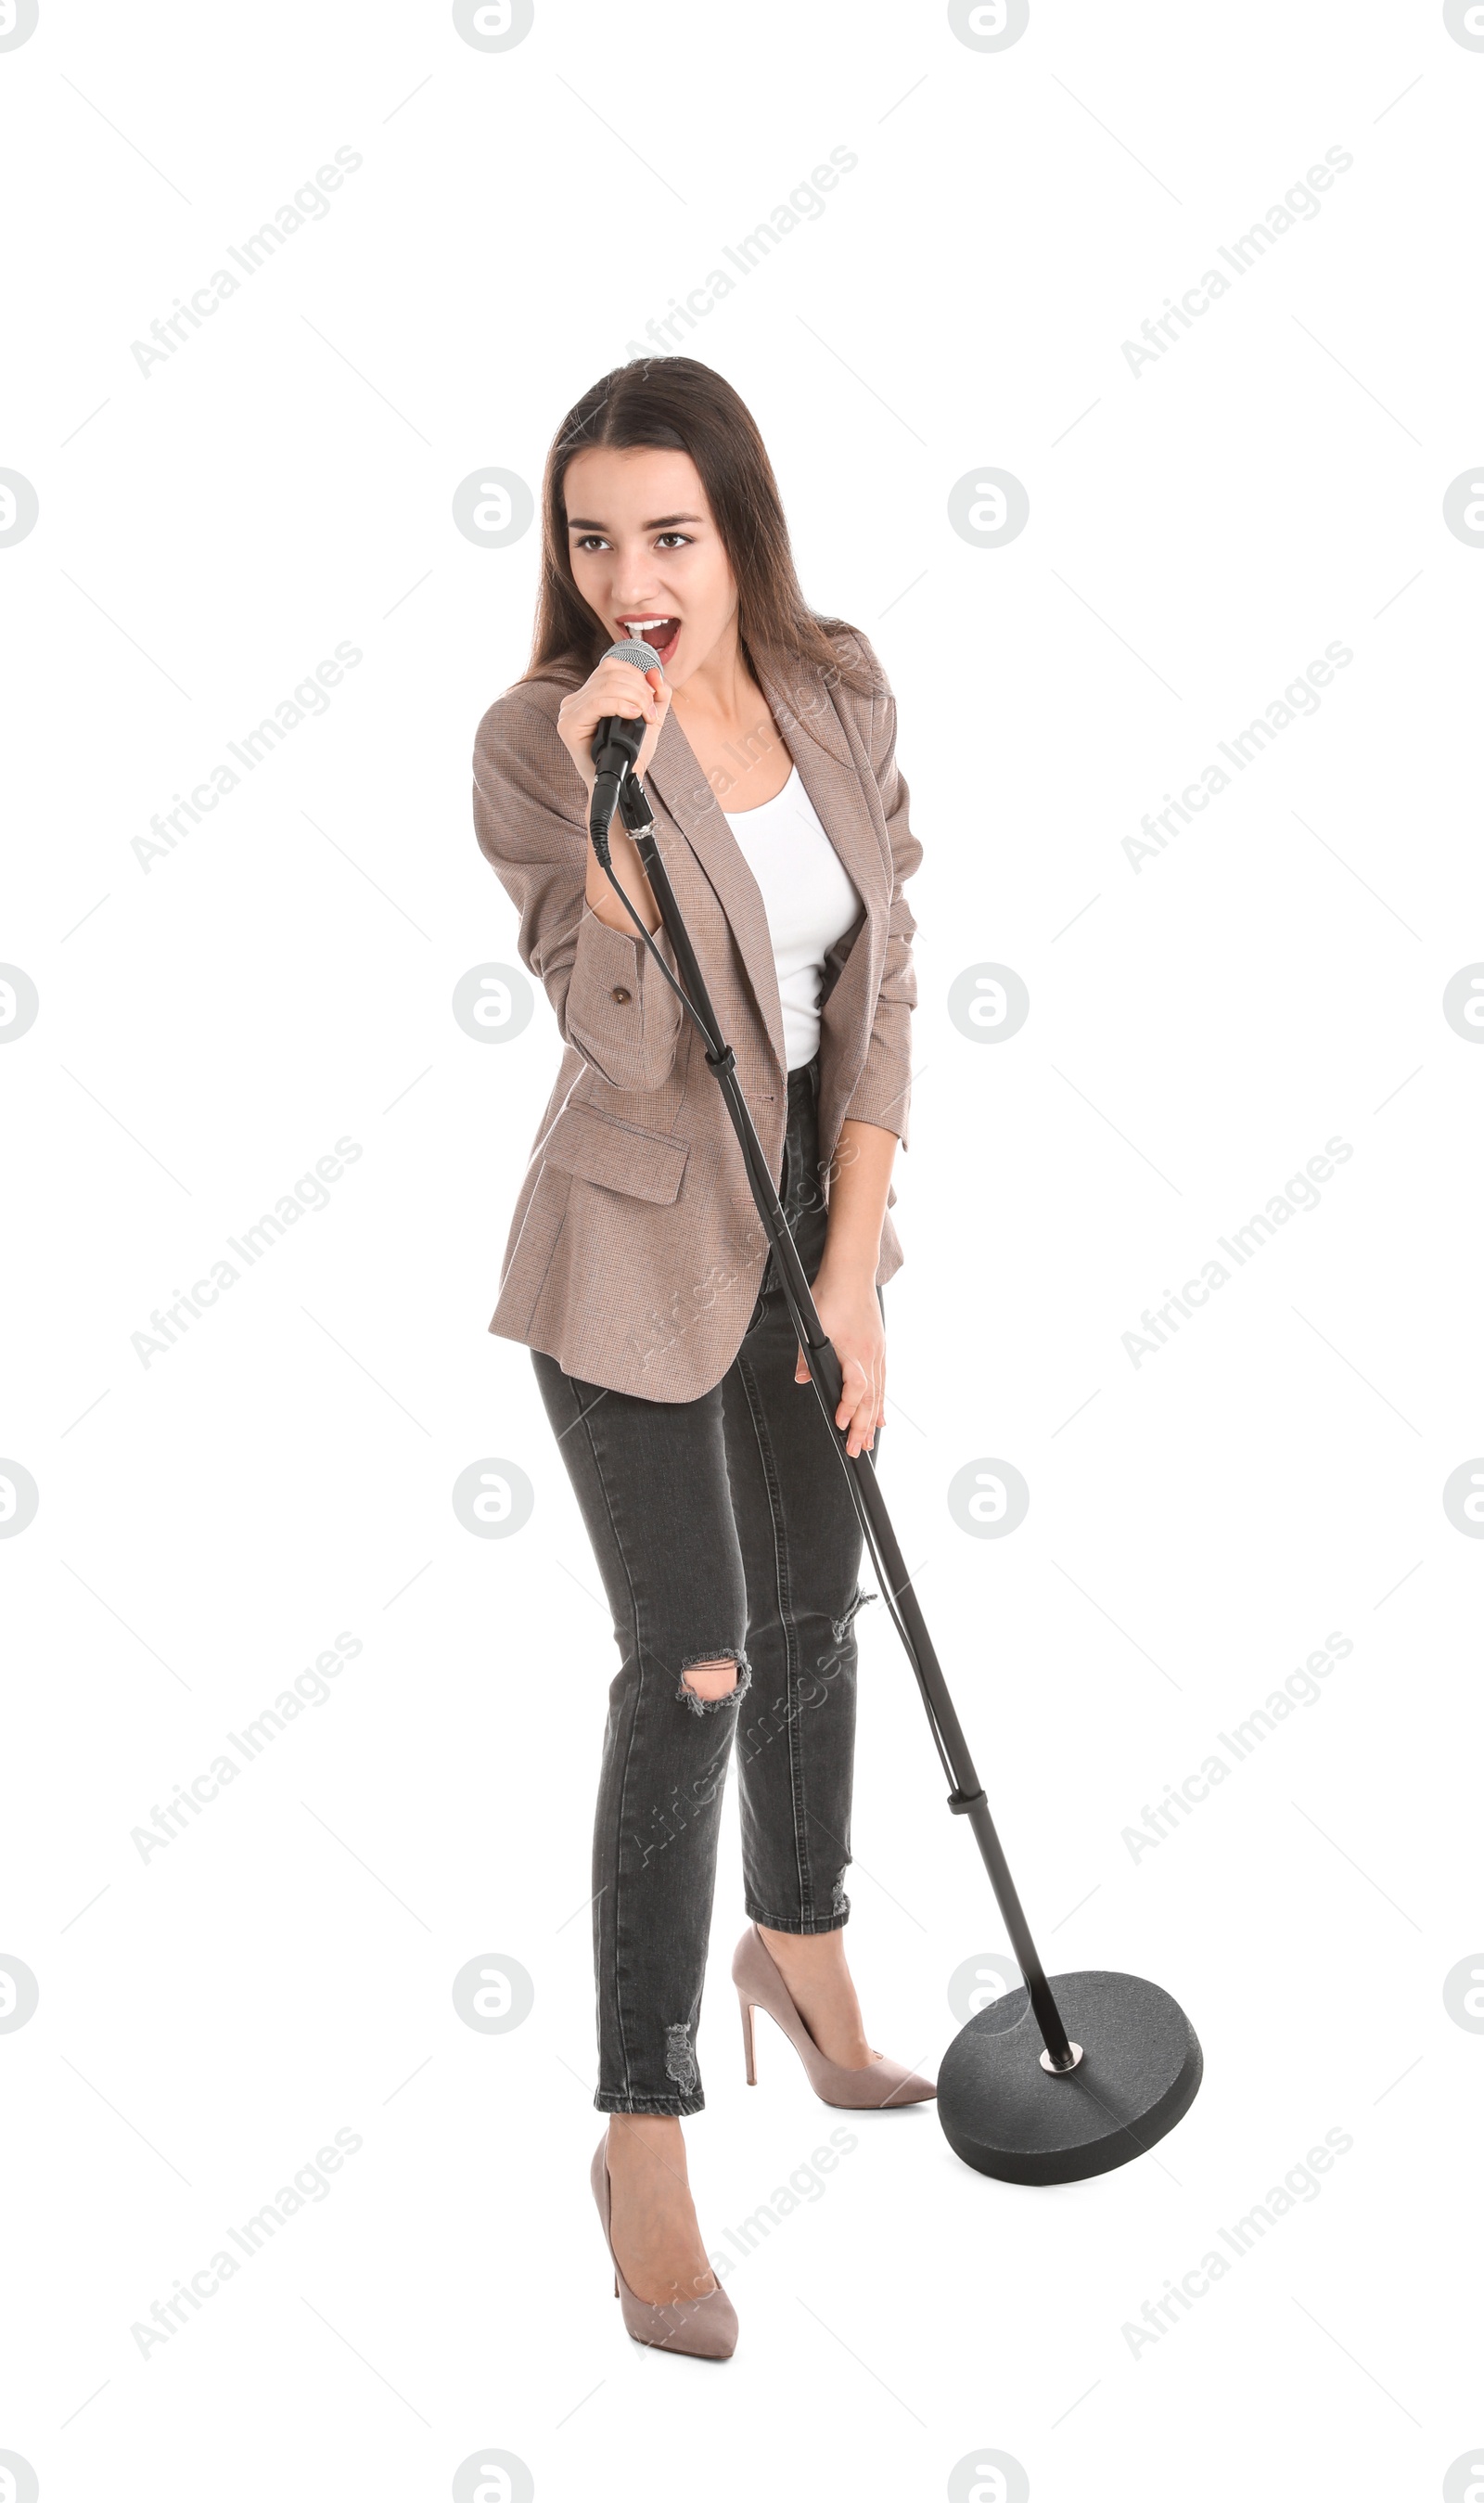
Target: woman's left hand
847,1306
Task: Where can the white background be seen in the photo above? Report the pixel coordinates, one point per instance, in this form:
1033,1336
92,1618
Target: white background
210,1026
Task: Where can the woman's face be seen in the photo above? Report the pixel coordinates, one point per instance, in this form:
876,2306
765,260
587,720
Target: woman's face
647,556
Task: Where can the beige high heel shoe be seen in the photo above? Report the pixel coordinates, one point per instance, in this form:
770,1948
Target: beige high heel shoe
760,1984
697,2325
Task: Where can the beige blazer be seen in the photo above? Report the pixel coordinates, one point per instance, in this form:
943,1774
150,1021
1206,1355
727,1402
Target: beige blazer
635,1253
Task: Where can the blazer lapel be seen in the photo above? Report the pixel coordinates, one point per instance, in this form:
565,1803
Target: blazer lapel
831,777
675,775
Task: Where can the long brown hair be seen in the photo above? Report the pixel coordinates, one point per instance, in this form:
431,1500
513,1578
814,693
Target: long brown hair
673,405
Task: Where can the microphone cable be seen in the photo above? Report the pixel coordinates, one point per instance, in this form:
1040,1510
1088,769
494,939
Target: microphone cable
631,799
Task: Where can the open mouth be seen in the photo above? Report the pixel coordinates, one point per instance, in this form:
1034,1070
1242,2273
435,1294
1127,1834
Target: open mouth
661,633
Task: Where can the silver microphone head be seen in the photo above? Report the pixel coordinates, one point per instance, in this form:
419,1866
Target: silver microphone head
641,655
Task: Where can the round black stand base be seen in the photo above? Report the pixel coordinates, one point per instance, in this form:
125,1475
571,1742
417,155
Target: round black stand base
1137,2076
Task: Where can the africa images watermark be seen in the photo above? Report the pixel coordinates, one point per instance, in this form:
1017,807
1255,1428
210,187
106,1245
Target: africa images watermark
308,1690
1300,2183
754,1728
804,2185
309,205
310,1194
170,826
804,205
1299,202
1301,1687
1299,696
309,2185
1242,1243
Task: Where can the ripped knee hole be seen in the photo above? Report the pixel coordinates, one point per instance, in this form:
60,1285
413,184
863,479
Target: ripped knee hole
714,1679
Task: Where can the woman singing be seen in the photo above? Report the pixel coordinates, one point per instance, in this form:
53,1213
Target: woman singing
637,1271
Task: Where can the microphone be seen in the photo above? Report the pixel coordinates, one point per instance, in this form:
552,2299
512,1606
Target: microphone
615,743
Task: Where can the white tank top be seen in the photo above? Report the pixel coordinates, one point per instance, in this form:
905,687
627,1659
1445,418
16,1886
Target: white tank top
809,901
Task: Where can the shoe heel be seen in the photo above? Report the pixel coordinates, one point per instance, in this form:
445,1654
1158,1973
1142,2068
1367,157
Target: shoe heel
748,2046
759,1982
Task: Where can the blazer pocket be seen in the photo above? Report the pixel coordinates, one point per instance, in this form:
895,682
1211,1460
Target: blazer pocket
640,1163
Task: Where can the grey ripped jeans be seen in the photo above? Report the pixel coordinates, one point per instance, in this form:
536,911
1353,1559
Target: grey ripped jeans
724,1530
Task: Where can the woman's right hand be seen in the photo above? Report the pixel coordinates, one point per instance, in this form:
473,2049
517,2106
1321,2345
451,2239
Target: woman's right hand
614,687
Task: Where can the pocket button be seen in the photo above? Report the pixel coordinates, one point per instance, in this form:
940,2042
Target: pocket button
621,996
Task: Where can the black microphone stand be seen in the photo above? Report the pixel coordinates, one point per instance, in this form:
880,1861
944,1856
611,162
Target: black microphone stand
1012,2139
